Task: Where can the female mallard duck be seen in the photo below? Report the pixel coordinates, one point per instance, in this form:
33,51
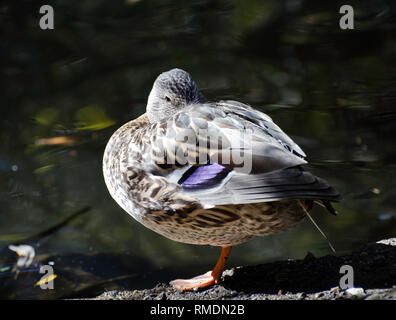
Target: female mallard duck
208,173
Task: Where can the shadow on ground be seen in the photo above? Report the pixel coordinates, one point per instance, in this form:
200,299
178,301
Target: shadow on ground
374,269
374,266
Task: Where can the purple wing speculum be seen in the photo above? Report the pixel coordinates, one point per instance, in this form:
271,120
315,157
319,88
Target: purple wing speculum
203,177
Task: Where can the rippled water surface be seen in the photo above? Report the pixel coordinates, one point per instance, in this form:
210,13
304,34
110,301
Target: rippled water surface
65,91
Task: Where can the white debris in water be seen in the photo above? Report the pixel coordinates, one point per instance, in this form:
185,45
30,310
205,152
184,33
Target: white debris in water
389,242
26,255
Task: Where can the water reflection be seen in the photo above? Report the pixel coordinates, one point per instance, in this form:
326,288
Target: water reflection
64,92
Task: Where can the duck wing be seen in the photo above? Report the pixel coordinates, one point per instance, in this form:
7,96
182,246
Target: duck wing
197,149
262,120
228,133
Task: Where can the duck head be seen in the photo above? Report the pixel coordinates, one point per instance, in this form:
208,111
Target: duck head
171,92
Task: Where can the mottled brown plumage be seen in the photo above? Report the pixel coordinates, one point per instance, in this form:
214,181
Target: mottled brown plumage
169,170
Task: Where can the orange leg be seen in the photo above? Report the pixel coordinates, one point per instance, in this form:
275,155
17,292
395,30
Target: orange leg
207,279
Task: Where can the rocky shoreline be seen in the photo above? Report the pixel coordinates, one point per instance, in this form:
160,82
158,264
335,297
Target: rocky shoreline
374,278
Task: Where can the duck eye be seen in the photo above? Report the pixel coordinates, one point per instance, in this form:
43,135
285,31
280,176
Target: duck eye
167,98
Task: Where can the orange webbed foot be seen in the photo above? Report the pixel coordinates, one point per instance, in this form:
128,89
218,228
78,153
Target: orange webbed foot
198,282
207,279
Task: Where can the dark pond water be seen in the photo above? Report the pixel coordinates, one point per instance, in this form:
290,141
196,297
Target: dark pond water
65,91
